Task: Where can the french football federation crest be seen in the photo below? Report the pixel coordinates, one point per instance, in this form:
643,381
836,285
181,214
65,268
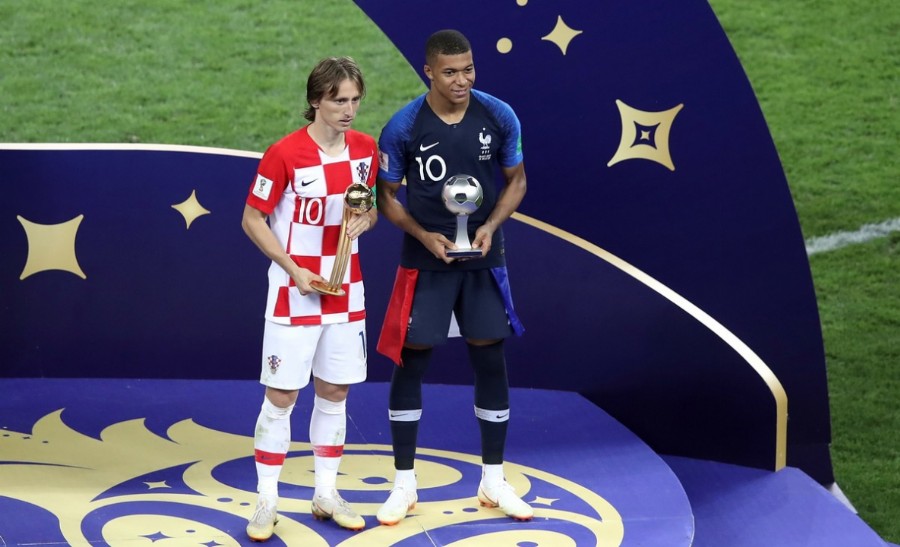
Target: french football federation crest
485,140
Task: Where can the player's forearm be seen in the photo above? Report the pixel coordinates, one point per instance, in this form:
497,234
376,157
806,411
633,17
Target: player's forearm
257,229
395,212
401,218
510,198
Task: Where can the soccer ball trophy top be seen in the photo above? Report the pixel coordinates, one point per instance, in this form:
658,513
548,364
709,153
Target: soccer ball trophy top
462,195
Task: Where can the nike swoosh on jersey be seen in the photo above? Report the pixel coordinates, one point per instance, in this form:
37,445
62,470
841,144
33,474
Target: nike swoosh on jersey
423,148
307,182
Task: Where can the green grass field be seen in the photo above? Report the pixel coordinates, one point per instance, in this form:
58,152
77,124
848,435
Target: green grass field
827,75
228,74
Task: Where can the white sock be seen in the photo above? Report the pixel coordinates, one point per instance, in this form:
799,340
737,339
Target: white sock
405,478
492,473
327,431
271,441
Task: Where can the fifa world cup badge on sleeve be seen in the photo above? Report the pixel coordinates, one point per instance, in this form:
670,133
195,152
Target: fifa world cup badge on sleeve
462,195
358,199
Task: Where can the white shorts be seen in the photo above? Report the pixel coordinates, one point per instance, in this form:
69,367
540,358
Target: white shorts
335,353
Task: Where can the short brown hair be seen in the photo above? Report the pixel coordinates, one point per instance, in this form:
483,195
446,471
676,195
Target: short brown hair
326,78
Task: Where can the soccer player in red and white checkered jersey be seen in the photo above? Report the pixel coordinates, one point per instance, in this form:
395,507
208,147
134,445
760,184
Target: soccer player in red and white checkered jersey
293,214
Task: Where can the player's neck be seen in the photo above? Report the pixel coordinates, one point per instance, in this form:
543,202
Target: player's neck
450,113
330,141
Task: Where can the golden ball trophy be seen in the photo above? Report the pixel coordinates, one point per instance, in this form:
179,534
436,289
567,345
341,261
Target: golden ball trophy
358,199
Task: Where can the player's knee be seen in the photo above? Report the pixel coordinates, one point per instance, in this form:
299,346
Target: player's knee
330,407
415,363
483,342
331,392
488,359
278,406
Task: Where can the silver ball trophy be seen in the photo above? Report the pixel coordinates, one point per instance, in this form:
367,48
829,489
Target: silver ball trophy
462,195
358,199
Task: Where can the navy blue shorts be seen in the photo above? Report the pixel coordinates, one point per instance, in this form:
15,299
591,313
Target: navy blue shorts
472,295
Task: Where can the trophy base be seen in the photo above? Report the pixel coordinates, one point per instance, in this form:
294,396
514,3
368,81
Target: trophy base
323,288
464,253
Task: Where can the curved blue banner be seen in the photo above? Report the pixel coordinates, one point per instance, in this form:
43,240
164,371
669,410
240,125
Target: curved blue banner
656,261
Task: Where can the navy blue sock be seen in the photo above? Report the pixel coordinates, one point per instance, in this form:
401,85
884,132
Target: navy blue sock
491,394
405,403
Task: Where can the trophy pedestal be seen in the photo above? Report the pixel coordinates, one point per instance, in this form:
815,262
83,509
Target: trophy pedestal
324,288
464,253
463,246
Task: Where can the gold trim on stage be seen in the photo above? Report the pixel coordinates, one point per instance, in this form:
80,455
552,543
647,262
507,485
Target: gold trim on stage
752,359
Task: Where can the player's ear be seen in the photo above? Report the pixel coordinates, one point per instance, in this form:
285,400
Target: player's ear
428,74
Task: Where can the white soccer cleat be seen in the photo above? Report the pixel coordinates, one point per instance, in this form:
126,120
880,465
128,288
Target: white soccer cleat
262,524
401,501
335,507
503,495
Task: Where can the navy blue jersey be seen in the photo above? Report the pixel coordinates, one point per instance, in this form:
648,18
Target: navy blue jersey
420,147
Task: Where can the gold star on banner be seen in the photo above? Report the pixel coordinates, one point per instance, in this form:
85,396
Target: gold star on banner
158,484
645,135
544,501
190,209
561,34
51,247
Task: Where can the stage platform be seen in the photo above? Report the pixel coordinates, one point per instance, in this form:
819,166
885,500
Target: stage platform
170,463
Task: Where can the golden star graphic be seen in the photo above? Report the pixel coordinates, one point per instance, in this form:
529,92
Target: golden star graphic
543,501
51,247
561,34
157,484
645,135
190,209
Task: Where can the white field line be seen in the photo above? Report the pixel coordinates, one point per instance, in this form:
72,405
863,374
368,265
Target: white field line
867,232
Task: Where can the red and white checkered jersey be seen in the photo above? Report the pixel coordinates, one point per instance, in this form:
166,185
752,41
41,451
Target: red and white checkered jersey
302,190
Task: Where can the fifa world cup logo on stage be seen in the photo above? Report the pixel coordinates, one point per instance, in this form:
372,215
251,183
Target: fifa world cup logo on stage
462,195
358,199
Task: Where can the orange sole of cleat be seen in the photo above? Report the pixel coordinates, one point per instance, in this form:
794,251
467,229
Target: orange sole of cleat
396,522
492,506
261,540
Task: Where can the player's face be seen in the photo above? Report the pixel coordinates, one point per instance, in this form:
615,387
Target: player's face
452,77
339,110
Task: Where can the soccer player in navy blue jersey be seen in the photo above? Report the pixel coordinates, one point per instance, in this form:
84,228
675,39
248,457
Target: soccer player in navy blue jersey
451,130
